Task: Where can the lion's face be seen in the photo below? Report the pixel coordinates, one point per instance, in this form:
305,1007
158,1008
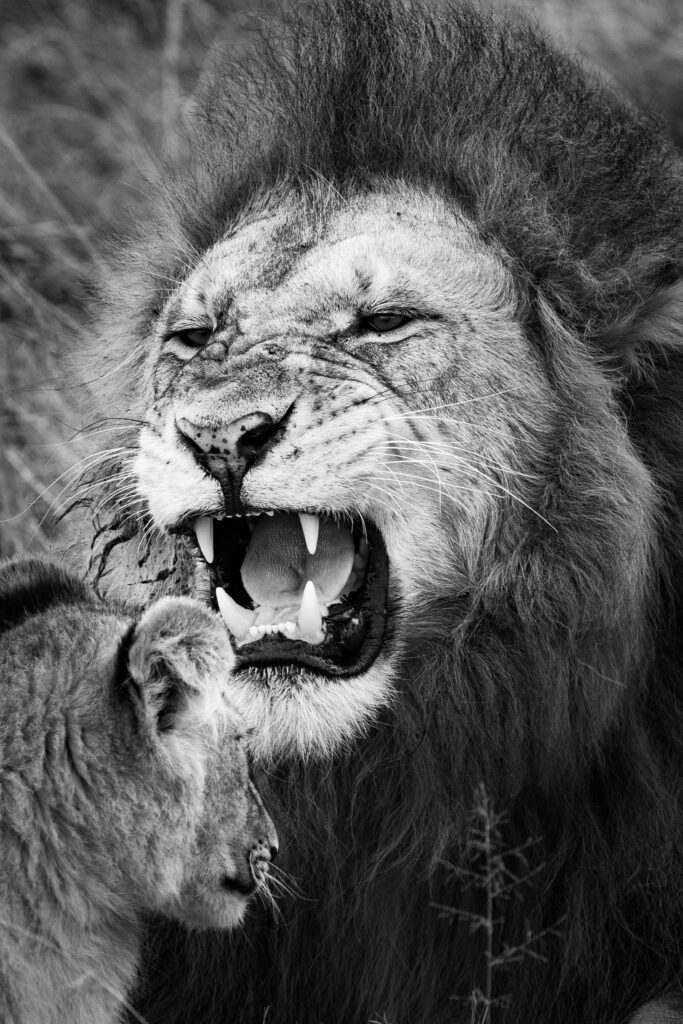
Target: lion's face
344,403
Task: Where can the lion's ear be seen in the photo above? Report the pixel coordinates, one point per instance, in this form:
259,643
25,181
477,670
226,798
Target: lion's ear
658,323
178,657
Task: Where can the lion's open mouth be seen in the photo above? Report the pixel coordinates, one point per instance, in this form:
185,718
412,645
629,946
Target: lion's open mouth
296,588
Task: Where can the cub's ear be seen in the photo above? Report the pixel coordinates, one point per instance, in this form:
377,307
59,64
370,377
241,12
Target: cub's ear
178,658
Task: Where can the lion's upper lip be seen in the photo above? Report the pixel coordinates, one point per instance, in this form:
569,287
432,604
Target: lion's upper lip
295,587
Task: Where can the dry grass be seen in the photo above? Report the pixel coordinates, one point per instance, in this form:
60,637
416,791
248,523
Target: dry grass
92,96
638,44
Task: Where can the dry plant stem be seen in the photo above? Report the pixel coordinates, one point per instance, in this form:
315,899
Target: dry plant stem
499,880
170,87
489,914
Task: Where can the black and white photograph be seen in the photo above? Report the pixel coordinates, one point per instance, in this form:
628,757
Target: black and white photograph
341,512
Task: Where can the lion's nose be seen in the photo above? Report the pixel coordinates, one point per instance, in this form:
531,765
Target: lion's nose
235,443
226,451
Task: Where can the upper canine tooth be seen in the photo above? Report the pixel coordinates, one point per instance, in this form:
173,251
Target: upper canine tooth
237,618
310,525
309,618
203,528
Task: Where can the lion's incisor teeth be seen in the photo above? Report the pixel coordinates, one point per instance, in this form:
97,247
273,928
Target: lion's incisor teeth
311,526
237,619
309,618
203,528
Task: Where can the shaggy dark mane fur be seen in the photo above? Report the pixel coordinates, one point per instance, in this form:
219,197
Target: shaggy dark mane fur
581,193
561,689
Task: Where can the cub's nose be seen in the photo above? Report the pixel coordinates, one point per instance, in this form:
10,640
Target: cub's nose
227,451
253,869
261,855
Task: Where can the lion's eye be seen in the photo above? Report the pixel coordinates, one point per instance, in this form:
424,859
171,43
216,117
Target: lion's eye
195,337
385,321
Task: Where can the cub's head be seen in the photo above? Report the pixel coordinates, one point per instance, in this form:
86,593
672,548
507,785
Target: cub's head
122,733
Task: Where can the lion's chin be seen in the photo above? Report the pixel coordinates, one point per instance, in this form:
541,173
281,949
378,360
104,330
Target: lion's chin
296,712
209,910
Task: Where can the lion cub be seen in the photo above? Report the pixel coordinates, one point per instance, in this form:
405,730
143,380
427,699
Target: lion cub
124,789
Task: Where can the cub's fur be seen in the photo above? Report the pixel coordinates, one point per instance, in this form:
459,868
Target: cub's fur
124,790
424,278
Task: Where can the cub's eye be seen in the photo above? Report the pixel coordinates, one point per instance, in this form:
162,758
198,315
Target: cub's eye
195,337
385,321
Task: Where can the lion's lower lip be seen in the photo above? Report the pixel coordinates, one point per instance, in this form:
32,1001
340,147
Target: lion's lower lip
354,628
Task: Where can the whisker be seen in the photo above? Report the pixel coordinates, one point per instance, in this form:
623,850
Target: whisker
502,488
267,898
454,497
449,451
288,884
76,468
388,393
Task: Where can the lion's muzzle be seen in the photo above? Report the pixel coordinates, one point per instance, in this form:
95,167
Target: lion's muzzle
226,451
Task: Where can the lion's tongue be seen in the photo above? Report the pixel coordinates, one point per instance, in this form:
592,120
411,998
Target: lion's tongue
278,564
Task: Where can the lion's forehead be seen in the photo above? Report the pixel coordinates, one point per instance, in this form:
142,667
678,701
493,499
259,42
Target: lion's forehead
379,251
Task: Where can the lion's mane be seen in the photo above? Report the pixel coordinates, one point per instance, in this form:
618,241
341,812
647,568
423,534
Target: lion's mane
560,691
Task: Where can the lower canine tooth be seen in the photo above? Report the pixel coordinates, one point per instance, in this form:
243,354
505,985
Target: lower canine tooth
309,618
203,528
237,619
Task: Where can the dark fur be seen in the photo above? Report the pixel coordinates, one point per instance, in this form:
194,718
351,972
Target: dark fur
31,586
562,688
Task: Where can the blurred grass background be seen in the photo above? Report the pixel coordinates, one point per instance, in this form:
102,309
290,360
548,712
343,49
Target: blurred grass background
93,94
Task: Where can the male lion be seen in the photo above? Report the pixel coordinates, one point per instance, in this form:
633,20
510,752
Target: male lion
125,789
405,351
